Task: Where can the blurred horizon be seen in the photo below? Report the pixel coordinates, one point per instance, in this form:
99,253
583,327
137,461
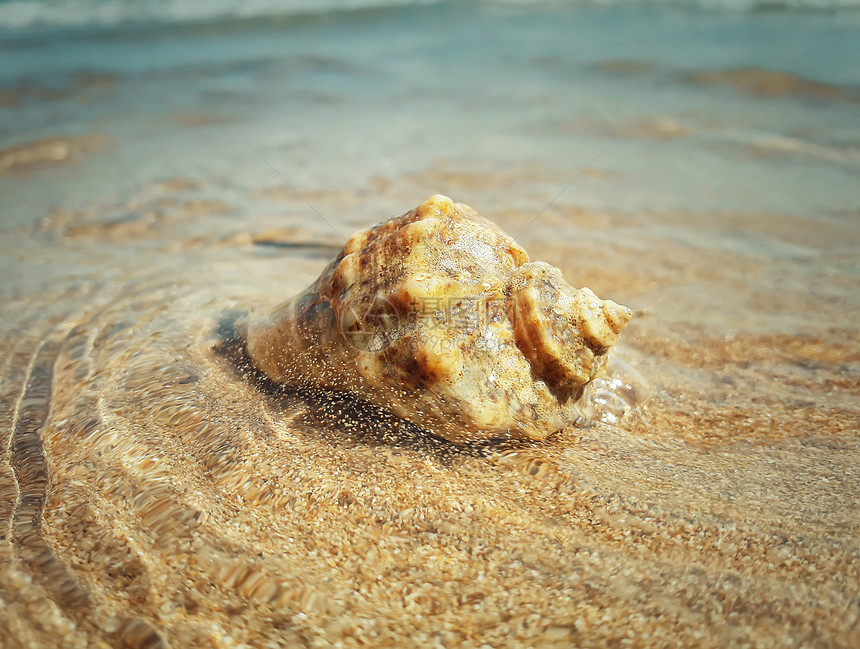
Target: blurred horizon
47,15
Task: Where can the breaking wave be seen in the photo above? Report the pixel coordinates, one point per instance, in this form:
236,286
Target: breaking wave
51,14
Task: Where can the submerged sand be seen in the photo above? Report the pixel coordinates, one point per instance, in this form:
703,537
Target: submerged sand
154,493
697,167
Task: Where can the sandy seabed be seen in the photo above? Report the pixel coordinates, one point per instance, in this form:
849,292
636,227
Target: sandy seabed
155,492
154,495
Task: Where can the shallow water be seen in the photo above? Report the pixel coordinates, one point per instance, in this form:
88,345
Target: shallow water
699,167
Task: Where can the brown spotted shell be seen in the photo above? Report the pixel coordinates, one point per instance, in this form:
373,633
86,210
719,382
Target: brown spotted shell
439,317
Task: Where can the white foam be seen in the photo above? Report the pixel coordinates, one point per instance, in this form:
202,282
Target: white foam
47,14
35,14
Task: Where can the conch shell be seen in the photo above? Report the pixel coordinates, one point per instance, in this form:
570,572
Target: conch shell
439,317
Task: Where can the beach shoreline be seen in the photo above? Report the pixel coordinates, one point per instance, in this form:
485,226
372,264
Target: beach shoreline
155,492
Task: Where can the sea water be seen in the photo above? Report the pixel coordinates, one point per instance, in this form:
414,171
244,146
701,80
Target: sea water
524,110
696,162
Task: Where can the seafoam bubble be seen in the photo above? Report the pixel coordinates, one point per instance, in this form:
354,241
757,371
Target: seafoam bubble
618,392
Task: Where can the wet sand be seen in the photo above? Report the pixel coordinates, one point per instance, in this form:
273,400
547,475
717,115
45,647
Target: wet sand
774,84
50,151
154,491
156,494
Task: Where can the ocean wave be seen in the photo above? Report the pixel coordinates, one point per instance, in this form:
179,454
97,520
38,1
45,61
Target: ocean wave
35,14
40,14
726,5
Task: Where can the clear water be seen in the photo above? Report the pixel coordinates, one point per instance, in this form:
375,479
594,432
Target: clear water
699,165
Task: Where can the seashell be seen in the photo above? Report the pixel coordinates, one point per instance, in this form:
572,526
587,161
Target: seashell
439,317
